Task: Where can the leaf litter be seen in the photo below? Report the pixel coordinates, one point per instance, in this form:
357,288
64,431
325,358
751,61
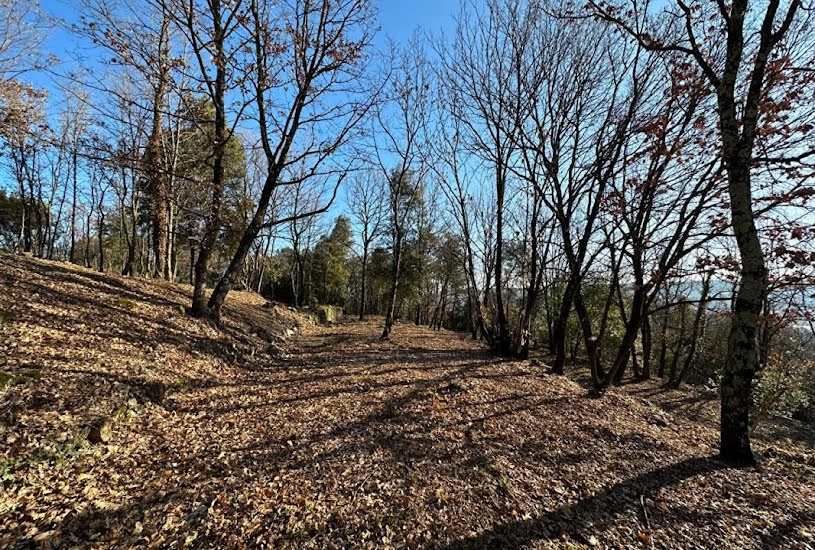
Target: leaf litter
334,439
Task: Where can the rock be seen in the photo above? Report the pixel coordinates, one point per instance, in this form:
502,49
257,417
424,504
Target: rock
328,314
31,374
6,379
658,419
538,363
450,389
124,303
121,413
126,410
100,431
155,392
199,512
21,377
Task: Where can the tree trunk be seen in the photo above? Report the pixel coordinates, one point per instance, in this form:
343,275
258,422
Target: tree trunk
158,184
397,266
560,326
696,333
646,348
362,290
503,340
213,225
72,250
663,344
101,242
741,363
590,342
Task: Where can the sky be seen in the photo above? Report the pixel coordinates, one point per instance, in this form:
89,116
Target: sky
398,20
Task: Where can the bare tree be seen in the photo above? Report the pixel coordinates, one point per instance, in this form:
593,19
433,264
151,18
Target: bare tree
739,49
139,39
480,67
213,30
459,187
401,152
311,94
23,28
366,204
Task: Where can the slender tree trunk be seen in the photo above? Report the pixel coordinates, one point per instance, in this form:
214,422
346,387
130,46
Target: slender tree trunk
646,348
101,241
680,342
363,289
592,344
200,307
742,360
72,250
390,313
696,332
663,342
503,340
560,326
88,225
638,305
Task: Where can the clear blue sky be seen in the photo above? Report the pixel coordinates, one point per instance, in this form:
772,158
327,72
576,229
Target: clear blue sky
399,18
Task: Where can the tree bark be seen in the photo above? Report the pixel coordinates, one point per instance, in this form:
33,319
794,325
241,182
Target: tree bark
362,290
213,225
742,361
397,266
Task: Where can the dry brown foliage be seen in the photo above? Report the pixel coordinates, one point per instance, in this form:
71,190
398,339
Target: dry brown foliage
336,439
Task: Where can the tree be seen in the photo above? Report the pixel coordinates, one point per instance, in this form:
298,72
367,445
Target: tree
139,39
740,50
366,205
22,31
401,152
404,192
330,265
316,69
459,188
213,29
480,68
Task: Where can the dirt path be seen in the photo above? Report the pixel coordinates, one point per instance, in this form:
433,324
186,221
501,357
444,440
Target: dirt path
423,441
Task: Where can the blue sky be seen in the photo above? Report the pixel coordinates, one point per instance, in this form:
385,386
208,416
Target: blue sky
398,18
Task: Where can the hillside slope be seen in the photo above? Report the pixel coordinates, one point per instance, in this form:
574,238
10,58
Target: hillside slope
127,424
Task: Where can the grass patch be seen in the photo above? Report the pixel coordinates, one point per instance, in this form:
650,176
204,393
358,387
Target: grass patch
55,455
124,303
22,377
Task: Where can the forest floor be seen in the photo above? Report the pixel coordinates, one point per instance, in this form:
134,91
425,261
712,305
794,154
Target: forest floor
247,437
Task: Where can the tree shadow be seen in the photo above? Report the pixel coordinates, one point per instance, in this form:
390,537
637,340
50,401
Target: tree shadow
589,514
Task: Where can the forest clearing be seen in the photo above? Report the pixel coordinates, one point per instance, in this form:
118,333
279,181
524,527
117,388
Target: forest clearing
407,274
334,438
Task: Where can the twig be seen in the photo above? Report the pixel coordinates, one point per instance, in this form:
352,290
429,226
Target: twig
647,522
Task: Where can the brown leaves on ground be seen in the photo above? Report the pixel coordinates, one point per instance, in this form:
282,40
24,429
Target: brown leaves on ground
342,441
